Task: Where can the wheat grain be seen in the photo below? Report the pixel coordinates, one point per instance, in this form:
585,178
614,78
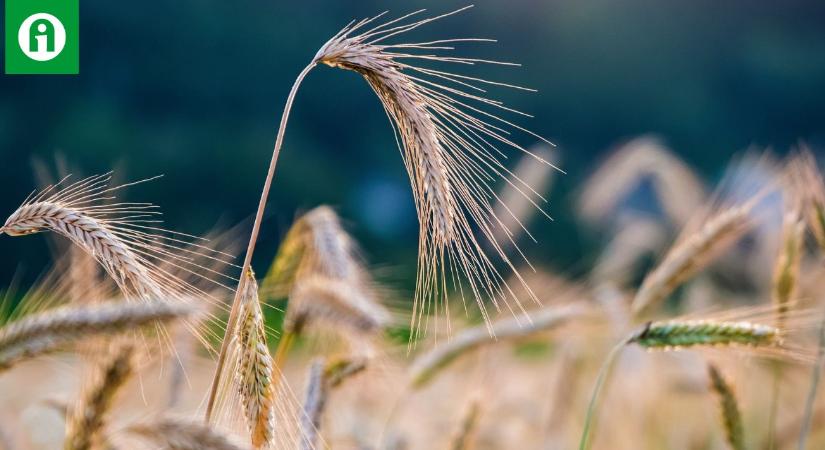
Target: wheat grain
731,417
45,332
84,428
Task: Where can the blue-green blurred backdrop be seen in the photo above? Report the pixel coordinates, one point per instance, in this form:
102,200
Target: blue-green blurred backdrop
194,89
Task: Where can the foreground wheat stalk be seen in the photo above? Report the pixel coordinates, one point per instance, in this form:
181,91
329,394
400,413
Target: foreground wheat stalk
48,331
447,149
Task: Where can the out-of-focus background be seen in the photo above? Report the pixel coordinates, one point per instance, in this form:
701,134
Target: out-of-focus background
194,89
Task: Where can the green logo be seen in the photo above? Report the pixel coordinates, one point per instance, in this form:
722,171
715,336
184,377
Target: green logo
42,37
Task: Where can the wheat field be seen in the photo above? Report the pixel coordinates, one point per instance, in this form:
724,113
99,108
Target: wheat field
698,326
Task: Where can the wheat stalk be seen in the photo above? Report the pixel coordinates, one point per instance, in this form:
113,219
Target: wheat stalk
255,373
45,332
428,365
447,149
731,418
675,334
85,424
179,435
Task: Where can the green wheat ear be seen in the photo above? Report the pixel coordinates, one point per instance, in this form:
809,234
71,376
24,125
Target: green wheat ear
690,333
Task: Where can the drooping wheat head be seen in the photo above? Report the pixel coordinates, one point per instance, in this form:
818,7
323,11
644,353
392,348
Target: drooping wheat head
447,137
123,237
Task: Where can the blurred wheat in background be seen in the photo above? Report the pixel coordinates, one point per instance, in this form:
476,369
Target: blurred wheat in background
696,324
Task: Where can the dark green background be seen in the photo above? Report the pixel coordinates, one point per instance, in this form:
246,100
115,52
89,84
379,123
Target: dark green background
194,89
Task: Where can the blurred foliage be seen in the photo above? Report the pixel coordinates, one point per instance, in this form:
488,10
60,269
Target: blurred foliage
194,90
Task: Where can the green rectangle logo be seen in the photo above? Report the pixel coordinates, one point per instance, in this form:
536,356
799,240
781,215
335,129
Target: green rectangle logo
42,37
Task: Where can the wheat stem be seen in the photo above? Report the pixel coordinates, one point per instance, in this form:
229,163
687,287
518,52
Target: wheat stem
253,239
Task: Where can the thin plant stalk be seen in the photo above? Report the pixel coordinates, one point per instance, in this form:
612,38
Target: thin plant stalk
253,239
601,379
811,398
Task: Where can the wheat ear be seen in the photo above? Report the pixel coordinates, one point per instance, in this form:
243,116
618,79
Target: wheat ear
731,418
45,332
675,334
314,402
85,425
179,435
447,143
430,364
691,254
124,238
255,372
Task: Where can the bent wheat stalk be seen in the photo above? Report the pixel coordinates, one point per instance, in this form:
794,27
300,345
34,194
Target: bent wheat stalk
447,148
45,332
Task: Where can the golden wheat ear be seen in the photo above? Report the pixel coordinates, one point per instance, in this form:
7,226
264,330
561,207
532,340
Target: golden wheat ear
126,239
449,134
